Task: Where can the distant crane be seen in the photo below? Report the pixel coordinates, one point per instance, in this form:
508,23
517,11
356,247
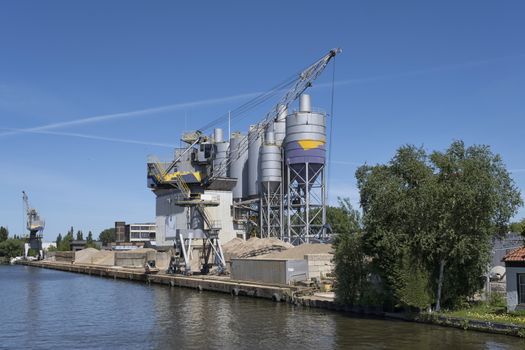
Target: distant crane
35,225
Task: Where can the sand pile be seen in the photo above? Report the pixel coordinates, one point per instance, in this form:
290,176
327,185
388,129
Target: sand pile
95,257
300,251
238,248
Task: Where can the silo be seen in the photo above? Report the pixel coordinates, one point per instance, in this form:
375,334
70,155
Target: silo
279,125
221,157
238,165
270,163
254,146
305,187
305,139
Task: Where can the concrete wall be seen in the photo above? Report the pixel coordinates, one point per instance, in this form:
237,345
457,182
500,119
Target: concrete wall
131,258
512,286
319,265
223,213
169,218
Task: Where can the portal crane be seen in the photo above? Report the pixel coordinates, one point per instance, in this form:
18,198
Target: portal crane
35,225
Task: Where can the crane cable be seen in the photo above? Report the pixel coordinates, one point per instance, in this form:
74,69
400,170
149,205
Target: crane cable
330,137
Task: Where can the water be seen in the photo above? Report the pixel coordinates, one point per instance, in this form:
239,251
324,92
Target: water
47,309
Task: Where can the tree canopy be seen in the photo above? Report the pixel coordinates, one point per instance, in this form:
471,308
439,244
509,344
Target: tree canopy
107,236
434,216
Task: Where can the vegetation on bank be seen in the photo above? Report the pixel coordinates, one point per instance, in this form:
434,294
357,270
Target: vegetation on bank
10,247
428,221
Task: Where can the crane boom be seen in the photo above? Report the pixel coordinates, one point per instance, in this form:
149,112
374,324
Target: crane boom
304,81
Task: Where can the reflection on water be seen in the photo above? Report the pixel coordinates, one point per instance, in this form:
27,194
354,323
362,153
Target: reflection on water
43,309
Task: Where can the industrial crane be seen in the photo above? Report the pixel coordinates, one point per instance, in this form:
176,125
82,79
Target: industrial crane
35,225
303,81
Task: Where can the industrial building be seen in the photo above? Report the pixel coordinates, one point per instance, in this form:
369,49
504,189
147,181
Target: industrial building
269,181
137,232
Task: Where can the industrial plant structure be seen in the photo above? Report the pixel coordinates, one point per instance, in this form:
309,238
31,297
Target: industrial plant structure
269,182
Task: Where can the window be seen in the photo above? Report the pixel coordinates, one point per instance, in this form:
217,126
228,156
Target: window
521,288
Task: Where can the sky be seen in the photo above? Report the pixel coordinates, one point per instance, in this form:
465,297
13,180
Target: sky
88,90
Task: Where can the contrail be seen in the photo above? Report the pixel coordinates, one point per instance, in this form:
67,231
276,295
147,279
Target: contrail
91,137
148,111
141,112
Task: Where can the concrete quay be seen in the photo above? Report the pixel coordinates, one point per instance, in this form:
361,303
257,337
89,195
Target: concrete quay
223,284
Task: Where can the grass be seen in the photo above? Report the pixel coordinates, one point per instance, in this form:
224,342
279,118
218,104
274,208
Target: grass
493,311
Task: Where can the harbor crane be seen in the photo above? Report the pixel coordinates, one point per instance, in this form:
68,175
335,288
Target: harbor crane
35,224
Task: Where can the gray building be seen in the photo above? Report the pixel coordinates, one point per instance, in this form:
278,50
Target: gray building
515,274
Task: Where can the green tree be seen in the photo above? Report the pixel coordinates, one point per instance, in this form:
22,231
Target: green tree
80,235
58,240
107,236
11,248
4,234
343,219
441,210
517,226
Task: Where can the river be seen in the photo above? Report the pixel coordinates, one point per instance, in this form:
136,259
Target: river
48,309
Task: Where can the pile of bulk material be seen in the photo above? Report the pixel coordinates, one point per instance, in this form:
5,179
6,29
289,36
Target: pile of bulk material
300,251
239,248
95,257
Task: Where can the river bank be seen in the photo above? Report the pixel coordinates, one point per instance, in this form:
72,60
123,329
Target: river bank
296,295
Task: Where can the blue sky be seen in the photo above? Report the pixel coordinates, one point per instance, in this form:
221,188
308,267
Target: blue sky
416,72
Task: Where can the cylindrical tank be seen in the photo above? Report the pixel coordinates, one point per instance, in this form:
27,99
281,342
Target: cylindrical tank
238,165
279,125
218,135
305,138
270,164
305,103
220,158
254,140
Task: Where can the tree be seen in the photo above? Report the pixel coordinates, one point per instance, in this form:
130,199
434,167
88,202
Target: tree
107,236
11,248
58,240
343,219
4,234
518,227
80,236
441,212
90,243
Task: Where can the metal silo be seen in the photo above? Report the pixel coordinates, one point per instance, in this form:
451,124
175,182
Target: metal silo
254,146
238,165
221,154
270,213
305,157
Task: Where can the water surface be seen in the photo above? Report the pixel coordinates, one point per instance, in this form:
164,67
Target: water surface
48,309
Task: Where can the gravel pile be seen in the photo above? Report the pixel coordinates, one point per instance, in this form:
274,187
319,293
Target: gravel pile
238,248
300,251
95,257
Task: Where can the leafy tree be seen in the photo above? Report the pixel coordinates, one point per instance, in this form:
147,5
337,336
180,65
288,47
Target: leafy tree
4,234
65,242
90,243
11,248
107,236
518,227
343,219
80,236
58,240
441,211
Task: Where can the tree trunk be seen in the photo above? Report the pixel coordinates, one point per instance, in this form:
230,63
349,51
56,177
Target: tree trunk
440,284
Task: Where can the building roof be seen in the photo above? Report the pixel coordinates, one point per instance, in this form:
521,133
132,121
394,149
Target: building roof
515,255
